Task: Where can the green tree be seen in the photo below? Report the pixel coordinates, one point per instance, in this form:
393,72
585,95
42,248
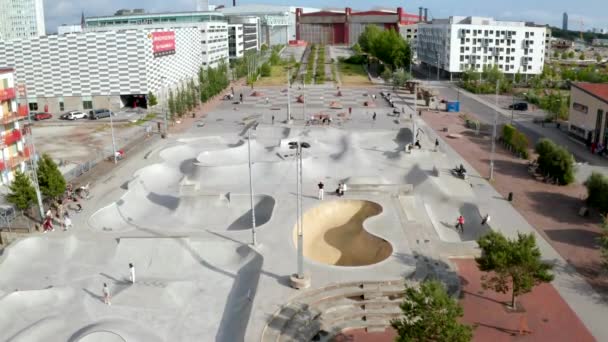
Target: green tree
582,56
400,78
357,48
513,265
172,105
564,55
555,161
368,37
556,54
21,192
51,181
598,57
266,70
597,191
275,59
264,47
152,101
430,314
571,54
604,241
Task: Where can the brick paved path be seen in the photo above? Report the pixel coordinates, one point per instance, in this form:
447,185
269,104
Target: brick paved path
552,210
547,315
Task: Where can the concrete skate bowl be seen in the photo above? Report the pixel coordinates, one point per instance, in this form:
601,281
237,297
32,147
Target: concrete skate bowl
114,330
334,234
142,210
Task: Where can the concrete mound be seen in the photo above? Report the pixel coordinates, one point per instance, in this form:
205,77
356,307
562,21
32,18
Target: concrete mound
334,234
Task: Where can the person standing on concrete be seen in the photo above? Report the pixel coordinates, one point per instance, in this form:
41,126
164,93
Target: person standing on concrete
436,144
460,223
241,97
132,273
374,116
320,186
67,222
47,225
273,119
106,294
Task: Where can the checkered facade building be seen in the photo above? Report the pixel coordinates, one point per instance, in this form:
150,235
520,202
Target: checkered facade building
103,63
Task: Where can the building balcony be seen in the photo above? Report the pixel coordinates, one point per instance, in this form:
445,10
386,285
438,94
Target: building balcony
15,160
14,116
12,137
7,94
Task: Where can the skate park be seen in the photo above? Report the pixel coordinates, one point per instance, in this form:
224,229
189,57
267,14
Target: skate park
182,214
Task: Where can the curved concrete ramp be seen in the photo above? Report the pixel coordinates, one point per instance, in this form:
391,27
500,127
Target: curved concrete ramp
334,234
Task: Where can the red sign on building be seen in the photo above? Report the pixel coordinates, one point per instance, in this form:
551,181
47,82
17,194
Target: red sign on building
163,43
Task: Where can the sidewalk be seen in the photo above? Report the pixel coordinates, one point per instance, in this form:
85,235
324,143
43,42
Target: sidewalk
558,227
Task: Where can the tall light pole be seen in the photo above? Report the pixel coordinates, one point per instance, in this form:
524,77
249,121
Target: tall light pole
414,115
494,133
166,104
113,139
251,190
300,280
33,159
288,95
437,65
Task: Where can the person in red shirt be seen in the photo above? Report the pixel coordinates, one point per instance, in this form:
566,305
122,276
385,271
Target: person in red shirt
460,223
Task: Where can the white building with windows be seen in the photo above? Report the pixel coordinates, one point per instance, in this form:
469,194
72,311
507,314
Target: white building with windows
235,41
458,44
21,19
251,31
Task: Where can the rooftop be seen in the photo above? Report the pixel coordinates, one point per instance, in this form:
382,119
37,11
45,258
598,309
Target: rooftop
152,15
6,70
599,90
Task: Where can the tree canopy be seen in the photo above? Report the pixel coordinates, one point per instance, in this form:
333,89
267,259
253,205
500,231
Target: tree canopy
555,161
21,192
513,264
387,46
51,181
430,314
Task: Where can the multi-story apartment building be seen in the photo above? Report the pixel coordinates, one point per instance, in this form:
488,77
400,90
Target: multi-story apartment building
458,44
212,25
21,19
14,151
235,41
251,31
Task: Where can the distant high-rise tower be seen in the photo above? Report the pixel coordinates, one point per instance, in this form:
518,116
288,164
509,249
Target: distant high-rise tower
21,19
565,22
202,5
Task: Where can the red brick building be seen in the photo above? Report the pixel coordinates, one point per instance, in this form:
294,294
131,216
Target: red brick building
345,27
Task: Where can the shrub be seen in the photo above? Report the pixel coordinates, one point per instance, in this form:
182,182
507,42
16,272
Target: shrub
356,59
266,70
520,144
597,191
555,161
507,134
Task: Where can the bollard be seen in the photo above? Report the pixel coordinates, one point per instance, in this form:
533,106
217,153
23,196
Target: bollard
510,197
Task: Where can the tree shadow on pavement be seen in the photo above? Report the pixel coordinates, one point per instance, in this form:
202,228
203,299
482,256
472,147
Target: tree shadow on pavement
509,168
575,237
592,274
559,207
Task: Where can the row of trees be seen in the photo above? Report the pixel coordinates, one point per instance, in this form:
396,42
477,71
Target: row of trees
515,140
310,65
184,100
320,69
22,193
555,161
485,82
556,104
511,266
388,46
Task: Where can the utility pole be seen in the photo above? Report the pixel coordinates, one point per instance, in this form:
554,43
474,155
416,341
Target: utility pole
299,280
253,239
512,107
414,115
113,140
494,133
33,156
437,65
288,95
166,106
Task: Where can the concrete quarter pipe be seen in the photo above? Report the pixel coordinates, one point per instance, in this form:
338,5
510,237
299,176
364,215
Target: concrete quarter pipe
334,234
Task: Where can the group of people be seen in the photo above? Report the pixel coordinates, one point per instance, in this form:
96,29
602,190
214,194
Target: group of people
339,191
62,215
107,296
460,222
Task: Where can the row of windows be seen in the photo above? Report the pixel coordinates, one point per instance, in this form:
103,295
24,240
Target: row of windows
85,105
505,67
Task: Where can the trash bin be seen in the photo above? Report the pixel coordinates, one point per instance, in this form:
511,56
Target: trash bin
510,196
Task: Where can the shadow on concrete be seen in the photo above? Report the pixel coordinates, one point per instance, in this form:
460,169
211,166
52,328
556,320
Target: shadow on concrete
187,166
167,201
92,294
593,274
509,168
403,137
345,143
263,213
576,237
558,207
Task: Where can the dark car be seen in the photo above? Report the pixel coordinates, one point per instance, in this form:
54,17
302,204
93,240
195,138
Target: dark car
519,106
99,113
42,116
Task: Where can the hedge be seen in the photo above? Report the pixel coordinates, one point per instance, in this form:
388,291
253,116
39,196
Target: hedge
555,161
516,140
597,191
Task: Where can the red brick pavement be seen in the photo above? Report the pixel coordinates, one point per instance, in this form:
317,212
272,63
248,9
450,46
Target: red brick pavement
551,209
547,315
360,335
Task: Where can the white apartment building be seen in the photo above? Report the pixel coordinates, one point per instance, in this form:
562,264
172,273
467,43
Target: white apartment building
21,19
235,41
458,44
251,31
409,32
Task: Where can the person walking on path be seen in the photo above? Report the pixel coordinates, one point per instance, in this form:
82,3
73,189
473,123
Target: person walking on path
374,116
67,222
48,225
321,186
106,294
132,273
436,144
460,223
273,119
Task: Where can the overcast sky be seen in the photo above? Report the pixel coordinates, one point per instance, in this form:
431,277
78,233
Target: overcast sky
592,13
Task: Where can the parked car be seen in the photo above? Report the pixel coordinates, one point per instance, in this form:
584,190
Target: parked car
519,106
99,113
42,116
74,115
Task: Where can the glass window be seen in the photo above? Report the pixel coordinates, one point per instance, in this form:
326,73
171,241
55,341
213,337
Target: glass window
33,106
61,107
87,104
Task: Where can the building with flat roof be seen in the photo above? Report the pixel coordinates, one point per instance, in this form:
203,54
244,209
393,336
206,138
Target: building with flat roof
21,19
588,118
63,29
277,23
105,69
458,44
235,41
14,152
345,26
251,31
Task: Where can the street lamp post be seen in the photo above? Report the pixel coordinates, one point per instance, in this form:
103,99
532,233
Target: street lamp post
299,280
253,239
494,133
512,107
33,158
288,95
113,139
415,113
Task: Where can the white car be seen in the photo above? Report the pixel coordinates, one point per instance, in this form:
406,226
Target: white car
74,115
